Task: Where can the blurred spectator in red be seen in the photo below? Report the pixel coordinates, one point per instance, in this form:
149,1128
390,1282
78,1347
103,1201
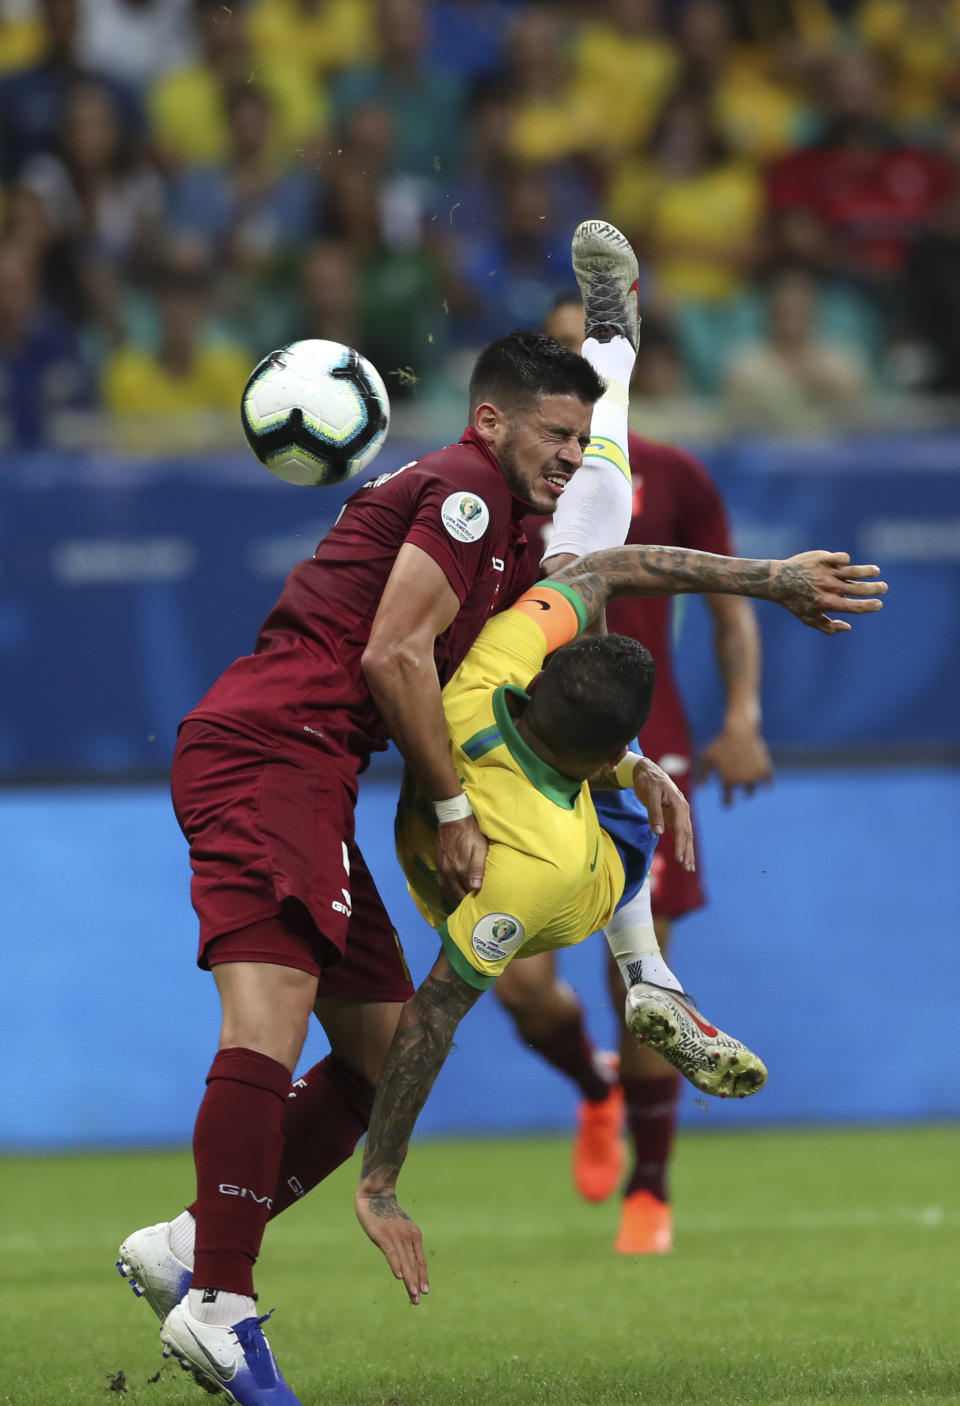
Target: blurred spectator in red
42,369
32,100
514,267
103,205
854,204
795,379
188,106
135,41
693,212
180,393
425,103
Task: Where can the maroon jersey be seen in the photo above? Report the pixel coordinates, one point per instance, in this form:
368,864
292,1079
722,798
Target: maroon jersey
675,504
303,684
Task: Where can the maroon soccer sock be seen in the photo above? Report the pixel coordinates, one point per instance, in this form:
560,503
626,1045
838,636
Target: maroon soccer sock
651,1119
237,1149
326,1115
569,1049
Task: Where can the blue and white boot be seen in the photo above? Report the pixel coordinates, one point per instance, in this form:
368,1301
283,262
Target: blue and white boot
152,1270
238,1359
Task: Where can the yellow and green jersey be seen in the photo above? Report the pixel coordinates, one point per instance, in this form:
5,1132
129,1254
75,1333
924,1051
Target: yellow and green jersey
552,874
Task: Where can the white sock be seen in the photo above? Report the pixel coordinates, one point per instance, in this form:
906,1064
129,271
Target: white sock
613,360
182,1236
219,1308
655,970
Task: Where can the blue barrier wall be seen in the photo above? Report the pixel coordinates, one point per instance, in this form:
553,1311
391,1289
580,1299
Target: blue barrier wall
830,944
126,588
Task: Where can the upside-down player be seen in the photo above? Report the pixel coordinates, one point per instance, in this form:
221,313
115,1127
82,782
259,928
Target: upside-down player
674,502
524,743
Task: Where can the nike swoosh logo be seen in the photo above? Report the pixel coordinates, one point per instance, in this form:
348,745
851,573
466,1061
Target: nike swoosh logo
595,853
543,604
221,1368
710,1030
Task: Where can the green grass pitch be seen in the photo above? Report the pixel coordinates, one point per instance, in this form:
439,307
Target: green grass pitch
809,1267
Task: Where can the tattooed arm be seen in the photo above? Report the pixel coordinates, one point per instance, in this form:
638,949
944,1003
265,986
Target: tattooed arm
807,585
420,1046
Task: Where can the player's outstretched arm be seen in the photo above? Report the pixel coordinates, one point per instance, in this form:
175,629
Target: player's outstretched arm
420,1046
808,585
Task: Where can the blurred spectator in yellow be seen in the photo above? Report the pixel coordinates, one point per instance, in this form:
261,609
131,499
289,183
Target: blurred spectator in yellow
103,205
693,212
854,204
32,99
186,391
552,120
21,35
919,45
135,41
759,114
42,369
425,104
320,36
625,67
795,379
188,107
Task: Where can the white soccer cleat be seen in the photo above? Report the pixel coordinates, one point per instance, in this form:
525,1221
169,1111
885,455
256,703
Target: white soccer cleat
152,1270
237,1359
715,1063
607,274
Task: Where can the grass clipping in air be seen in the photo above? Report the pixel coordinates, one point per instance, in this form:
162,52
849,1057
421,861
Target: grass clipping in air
808,1267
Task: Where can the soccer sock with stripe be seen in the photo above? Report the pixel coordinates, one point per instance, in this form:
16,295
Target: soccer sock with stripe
237,1150
651,1123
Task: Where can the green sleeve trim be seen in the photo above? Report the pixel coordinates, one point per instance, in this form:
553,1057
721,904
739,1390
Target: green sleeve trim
478,980
576,600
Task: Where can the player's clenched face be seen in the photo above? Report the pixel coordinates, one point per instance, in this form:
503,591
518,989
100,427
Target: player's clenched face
541,447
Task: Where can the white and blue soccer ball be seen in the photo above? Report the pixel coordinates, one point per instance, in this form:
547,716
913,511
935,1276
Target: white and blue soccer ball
315,412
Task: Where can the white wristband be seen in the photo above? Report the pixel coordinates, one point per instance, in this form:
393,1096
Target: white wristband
456,808
624,769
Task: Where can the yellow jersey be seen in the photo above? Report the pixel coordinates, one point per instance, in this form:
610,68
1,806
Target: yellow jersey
552,876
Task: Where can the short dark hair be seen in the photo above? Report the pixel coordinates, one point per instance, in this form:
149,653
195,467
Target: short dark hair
522,366
593,697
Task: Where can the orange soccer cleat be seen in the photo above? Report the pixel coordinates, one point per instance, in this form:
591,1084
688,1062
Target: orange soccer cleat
646,1226
598,1154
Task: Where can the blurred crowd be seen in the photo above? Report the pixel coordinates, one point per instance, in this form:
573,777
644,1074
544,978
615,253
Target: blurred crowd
187,184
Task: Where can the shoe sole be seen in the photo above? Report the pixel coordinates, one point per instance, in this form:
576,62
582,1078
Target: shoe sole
597,248
715,1064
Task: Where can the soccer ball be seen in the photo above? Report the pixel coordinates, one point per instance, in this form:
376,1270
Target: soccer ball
315,412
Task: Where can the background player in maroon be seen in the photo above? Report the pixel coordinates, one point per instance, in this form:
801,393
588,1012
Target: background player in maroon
675,502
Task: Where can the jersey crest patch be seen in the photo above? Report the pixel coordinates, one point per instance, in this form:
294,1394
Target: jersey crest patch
465,517
497,936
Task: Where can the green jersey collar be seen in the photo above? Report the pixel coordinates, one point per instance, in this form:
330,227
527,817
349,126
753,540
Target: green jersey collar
549,782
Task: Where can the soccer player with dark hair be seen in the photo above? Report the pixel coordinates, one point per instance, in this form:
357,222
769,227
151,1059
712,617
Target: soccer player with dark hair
553,875
264,785
672,500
